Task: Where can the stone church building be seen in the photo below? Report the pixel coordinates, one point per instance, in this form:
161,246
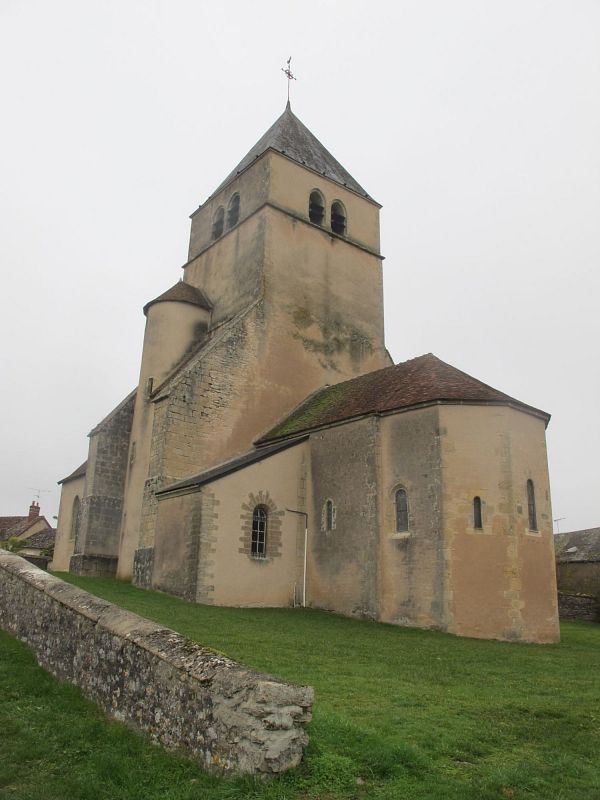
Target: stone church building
273,455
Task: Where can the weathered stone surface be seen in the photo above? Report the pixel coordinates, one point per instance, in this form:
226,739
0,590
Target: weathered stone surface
187,697
578,606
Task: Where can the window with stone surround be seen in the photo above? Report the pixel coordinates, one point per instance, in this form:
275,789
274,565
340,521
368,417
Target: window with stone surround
531,506
328,516
401,502
477,517
258,545
261,537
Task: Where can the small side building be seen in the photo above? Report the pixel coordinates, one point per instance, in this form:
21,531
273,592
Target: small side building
32,535
578,574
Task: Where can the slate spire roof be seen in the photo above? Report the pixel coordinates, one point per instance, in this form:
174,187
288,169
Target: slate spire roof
420,381
291,137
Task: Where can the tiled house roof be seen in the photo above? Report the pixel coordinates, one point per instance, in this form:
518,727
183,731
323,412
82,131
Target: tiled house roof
420,381
581,545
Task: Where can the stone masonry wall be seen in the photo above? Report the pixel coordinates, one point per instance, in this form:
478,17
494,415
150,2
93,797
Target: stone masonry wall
578,606
187,697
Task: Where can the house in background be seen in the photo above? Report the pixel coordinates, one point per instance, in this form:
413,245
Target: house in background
32,535
578,573
267,399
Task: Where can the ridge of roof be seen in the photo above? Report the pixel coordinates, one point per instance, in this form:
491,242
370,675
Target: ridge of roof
226,468
182,292
77,473
421,380
289,136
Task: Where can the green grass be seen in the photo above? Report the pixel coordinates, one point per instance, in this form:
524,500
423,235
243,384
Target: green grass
410,714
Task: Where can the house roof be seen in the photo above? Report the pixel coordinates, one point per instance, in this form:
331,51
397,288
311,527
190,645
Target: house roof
20,526
182,292
581,545
291,137
251,457
78,473
42,539
417,382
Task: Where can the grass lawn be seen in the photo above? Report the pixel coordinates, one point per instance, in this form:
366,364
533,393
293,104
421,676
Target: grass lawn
399,713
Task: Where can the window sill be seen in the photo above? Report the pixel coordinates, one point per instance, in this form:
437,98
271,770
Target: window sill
259,559
403,535
534,533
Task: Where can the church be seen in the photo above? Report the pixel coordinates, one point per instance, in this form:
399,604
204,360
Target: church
273,455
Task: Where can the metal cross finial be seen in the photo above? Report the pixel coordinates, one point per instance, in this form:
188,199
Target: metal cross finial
289,75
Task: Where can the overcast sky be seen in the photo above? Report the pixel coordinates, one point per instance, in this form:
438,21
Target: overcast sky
476,124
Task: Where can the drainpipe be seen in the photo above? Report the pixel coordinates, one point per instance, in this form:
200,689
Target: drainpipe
305,515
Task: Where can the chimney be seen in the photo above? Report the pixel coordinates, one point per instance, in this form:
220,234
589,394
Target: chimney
34,509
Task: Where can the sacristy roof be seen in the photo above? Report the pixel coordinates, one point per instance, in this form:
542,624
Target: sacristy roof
581,545
288,135
420,381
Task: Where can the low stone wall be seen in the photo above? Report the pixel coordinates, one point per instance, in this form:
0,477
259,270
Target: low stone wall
184,696
578,606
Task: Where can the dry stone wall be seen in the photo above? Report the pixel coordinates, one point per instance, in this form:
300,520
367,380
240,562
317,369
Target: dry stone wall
187,697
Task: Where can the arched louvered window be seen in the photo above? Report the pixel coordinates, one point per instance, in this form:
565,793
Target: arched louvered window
233,212
477,518
531,506
316,207
218,223
401,500
75,518
258,547
338,218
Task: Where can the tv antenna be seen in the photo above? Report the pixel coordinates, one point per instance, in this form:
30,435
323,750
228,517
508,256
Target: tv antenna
38,492
557,520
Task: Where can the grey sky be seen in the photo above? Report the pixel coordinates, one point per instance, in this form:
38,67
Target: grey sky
475,124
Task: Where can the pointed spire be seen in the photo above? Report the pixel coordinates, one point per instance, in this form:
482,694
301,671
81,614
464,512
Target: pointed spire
288,135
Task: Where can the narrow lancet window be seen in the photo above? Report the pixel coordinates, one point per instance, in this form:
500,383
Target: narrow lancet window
329,515
233,212
338,218
477,518
75,518
531,506
316,208
258,547
401,511
218,223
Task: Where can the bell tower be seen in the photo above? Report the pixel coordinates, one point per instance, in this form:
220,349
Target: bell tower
284,257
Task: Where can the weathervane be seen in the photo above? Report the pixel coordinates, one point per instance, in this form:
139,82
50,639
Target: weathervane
289,75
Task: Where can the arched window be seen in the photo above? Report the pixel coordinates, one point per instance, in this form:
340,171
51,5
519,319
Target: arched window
329,515
531,506
75,518
316,207
401,511
218,223
258,547
477,519
233,212
338,218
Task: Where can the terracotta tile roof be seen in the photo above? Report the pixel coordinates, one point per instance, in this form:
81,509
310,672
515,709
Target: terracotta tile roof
20,526
581,545
182,292
291,137
417,382
78,473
